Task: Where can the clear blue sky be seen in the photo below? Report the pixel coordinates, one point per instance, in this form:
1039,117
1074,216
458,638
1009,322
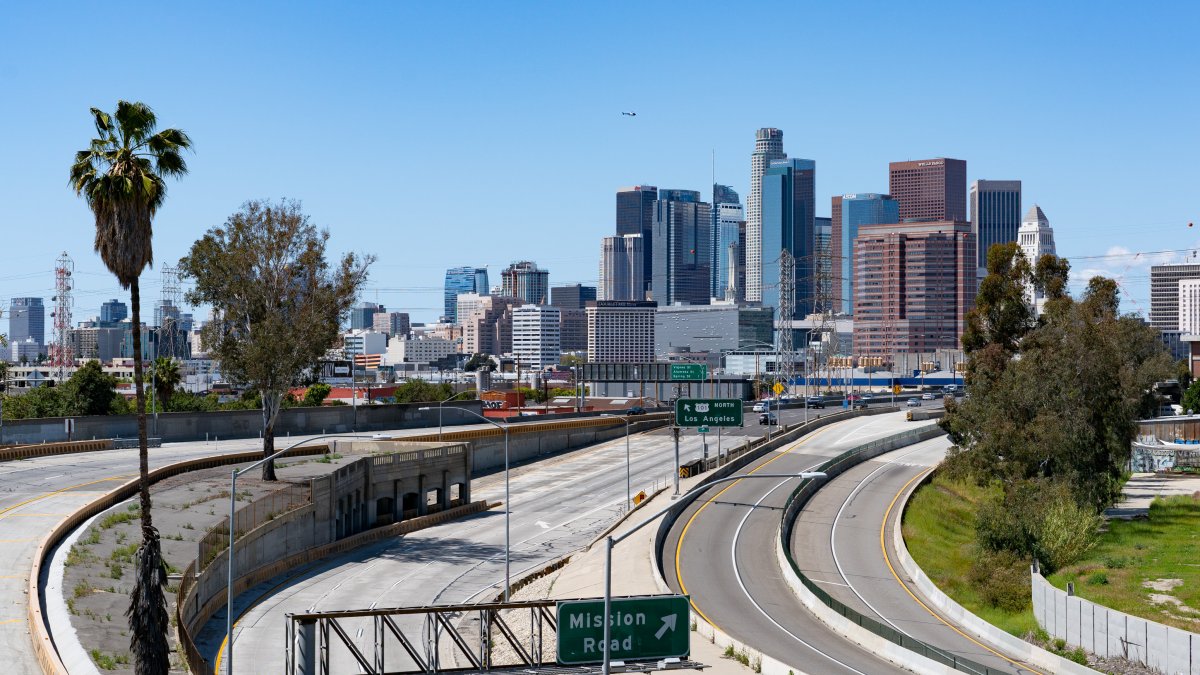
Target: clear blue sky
444,134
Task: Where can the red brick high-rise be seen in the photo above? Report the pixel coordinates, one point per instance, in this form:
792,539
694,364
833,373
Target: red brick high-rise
835,248
913,285
930,189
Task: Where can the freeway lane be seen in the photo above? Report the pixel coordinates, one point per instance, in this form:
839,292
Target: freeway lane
721,552
36,494
845,533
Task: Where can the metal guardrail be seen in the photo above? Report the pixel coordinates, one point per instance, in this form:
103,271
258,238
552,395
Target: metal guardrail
130,443
796,503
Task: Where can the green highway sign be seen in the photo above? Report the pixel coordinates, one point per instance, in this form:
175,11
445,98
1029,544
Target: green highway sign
688,371
703,430
708,412
643,628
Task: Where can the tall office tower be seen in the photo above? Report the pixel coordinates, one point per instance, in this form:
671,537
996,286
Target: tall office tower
930,189
788,224
362,315
113,311
486,323
1036,239
575,296
27,321
723,194
995,215
1164,292
535,336
572,329
682,237
825,278
851,212
768,147
621,272
620,331
395,324
462,280
728,220
523,280
913,285
1189,307
635,215
837,246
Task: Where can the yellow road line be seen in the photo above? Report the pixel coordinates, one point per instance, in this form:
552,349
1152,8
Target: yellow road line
261,598
4,621
688,525
38,515
7,511
888,559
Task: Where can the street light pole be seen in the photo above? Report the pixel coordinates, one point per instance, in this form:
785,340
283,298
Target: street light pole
440,404
611,541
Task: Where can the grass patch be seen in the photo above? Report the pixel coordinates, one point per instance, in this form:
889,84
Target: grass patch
124,554
76,555
328,458
82,589
939,530
1131,552
93,537
120,517
108,661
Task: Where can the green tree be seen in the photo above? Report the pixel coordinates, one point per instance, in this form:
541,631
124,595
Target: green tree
90,391
316,394
1191,397
480,362
166,379
39,402
420,391
277,304
122,176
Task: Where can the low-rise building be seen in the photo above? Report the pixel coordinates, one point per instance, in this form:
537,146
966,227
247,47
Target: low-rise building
364,342
418,350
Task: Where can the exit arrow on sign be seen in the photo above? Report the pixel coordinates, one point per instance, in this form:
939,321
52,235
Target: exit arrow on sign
668,624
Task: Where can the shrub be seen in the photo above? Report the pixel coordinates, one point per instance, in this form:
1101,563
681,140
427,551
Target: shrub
1002,579
1038,519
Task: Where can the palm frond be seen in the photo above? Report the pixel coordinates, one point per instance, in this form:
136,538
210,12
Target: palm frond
148,618
137,122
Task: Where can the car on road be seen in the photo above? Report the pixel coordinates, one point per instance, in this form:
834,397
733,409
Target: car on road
768,418
636,410
860,405
927,396
761,406
913,403
815,402
868,397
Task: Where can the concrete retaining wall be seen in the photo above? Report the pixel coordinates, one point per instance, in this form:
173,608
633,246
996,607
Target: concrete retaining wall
1107,632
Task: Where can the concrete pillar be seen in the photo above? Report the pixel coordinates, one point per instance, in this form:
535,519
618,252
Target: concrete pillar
306,647
397,502
445,500
421,497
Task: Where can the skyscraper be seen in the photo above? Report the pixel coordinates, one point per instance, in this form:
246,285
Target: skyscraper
682,237
27,321
995,215
395,324
526,282
789,224
536,334
635,215
622,276
462,280
1036,239
825,280
728,221
574,296
768,147
362,315
854,211
113,311
620,331
723,194
1164,292
930,189
913,285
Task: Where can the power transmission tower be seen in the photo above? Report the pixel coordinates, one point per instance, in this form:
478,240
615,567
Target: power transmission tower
62,352
170,333
787,309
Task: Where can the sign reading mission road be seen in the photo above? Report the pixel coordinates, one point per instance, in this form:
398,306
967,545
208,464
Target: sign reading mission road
708,412
654,627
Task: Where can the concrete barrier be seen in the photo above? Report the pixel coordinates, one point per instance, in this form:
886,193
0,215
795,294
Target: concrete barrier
46,449
981,630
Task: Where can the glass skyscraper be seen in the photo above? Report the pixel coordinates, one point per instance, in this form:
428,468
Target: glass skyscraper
682,239
857,210
635,215
462,280
995,215
728,222
789,224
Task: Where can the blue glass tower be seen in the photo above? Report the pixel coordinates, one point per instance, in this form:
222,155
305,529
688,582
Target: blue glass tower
463,280
859,209
789,224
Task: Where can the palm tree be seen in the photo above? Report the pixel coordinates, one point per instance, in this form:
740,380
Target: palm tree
121,176
166,379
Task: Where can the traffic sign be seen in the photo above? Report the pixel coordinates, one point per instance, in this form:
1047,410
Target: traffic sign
778,388
688,371
703,430
643,628
703,412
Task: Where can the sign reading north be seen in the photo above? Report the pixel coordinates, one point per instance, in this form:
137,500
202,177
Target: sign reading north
644,628
688,371
708,412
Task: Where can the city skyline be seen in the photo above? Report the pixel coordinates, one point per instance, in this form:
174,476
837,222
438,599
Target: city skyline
1060,152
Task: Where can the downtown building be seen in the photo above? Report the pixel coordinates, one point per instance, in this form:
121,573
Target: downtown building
487,323
1164,293
635,216
1036,239
525,281
362,315
850,212
913,286
113,312
27,322
395,324
620,331
462,280
728,252
682,237
788,223
712,329
622,275
768,147
995,215
574,296
930,189
536,336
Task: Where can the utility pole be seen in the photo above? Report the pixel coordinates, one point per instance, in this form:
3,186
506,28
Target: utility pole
675,430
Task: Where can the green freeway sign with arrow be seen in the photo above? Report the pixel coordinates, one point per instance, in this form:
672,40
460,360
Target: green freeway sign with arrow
688,371
708,412
643,628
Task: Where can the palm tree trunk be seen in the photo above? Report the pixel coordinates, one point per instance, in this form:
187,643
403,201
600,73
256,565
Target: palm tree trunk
148,619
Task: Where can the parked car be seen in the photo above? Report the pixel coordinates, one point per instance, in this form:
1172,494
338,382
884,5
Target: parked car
860,405
868,397
815,402
927,396
636,410
761,406
768,418
913,403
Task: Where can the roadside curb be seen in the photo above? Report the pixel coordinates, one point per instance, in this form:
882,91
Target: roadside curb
957,614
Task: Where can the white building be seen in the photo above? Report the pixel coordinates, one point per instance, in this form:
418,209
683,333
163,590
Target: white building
621,331
1036,239
536,340
364,343
418,350
1189,306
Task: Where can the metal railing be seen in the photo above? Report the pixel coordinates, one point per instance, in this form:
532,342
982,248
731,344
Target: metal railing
250,516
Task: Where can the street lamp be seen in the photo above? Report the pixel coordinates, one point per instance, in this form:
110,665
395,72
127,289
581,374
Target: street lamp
611,541
628,469
507,504
233,537
440,404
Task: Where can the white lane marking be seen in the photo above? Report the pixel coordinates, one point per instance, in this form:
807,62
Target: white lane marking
53,477
831,583
542,524
738,574
837,518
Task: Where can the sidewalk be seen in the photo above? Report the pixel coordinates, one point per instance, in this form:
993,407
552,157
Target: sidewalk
1142,488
